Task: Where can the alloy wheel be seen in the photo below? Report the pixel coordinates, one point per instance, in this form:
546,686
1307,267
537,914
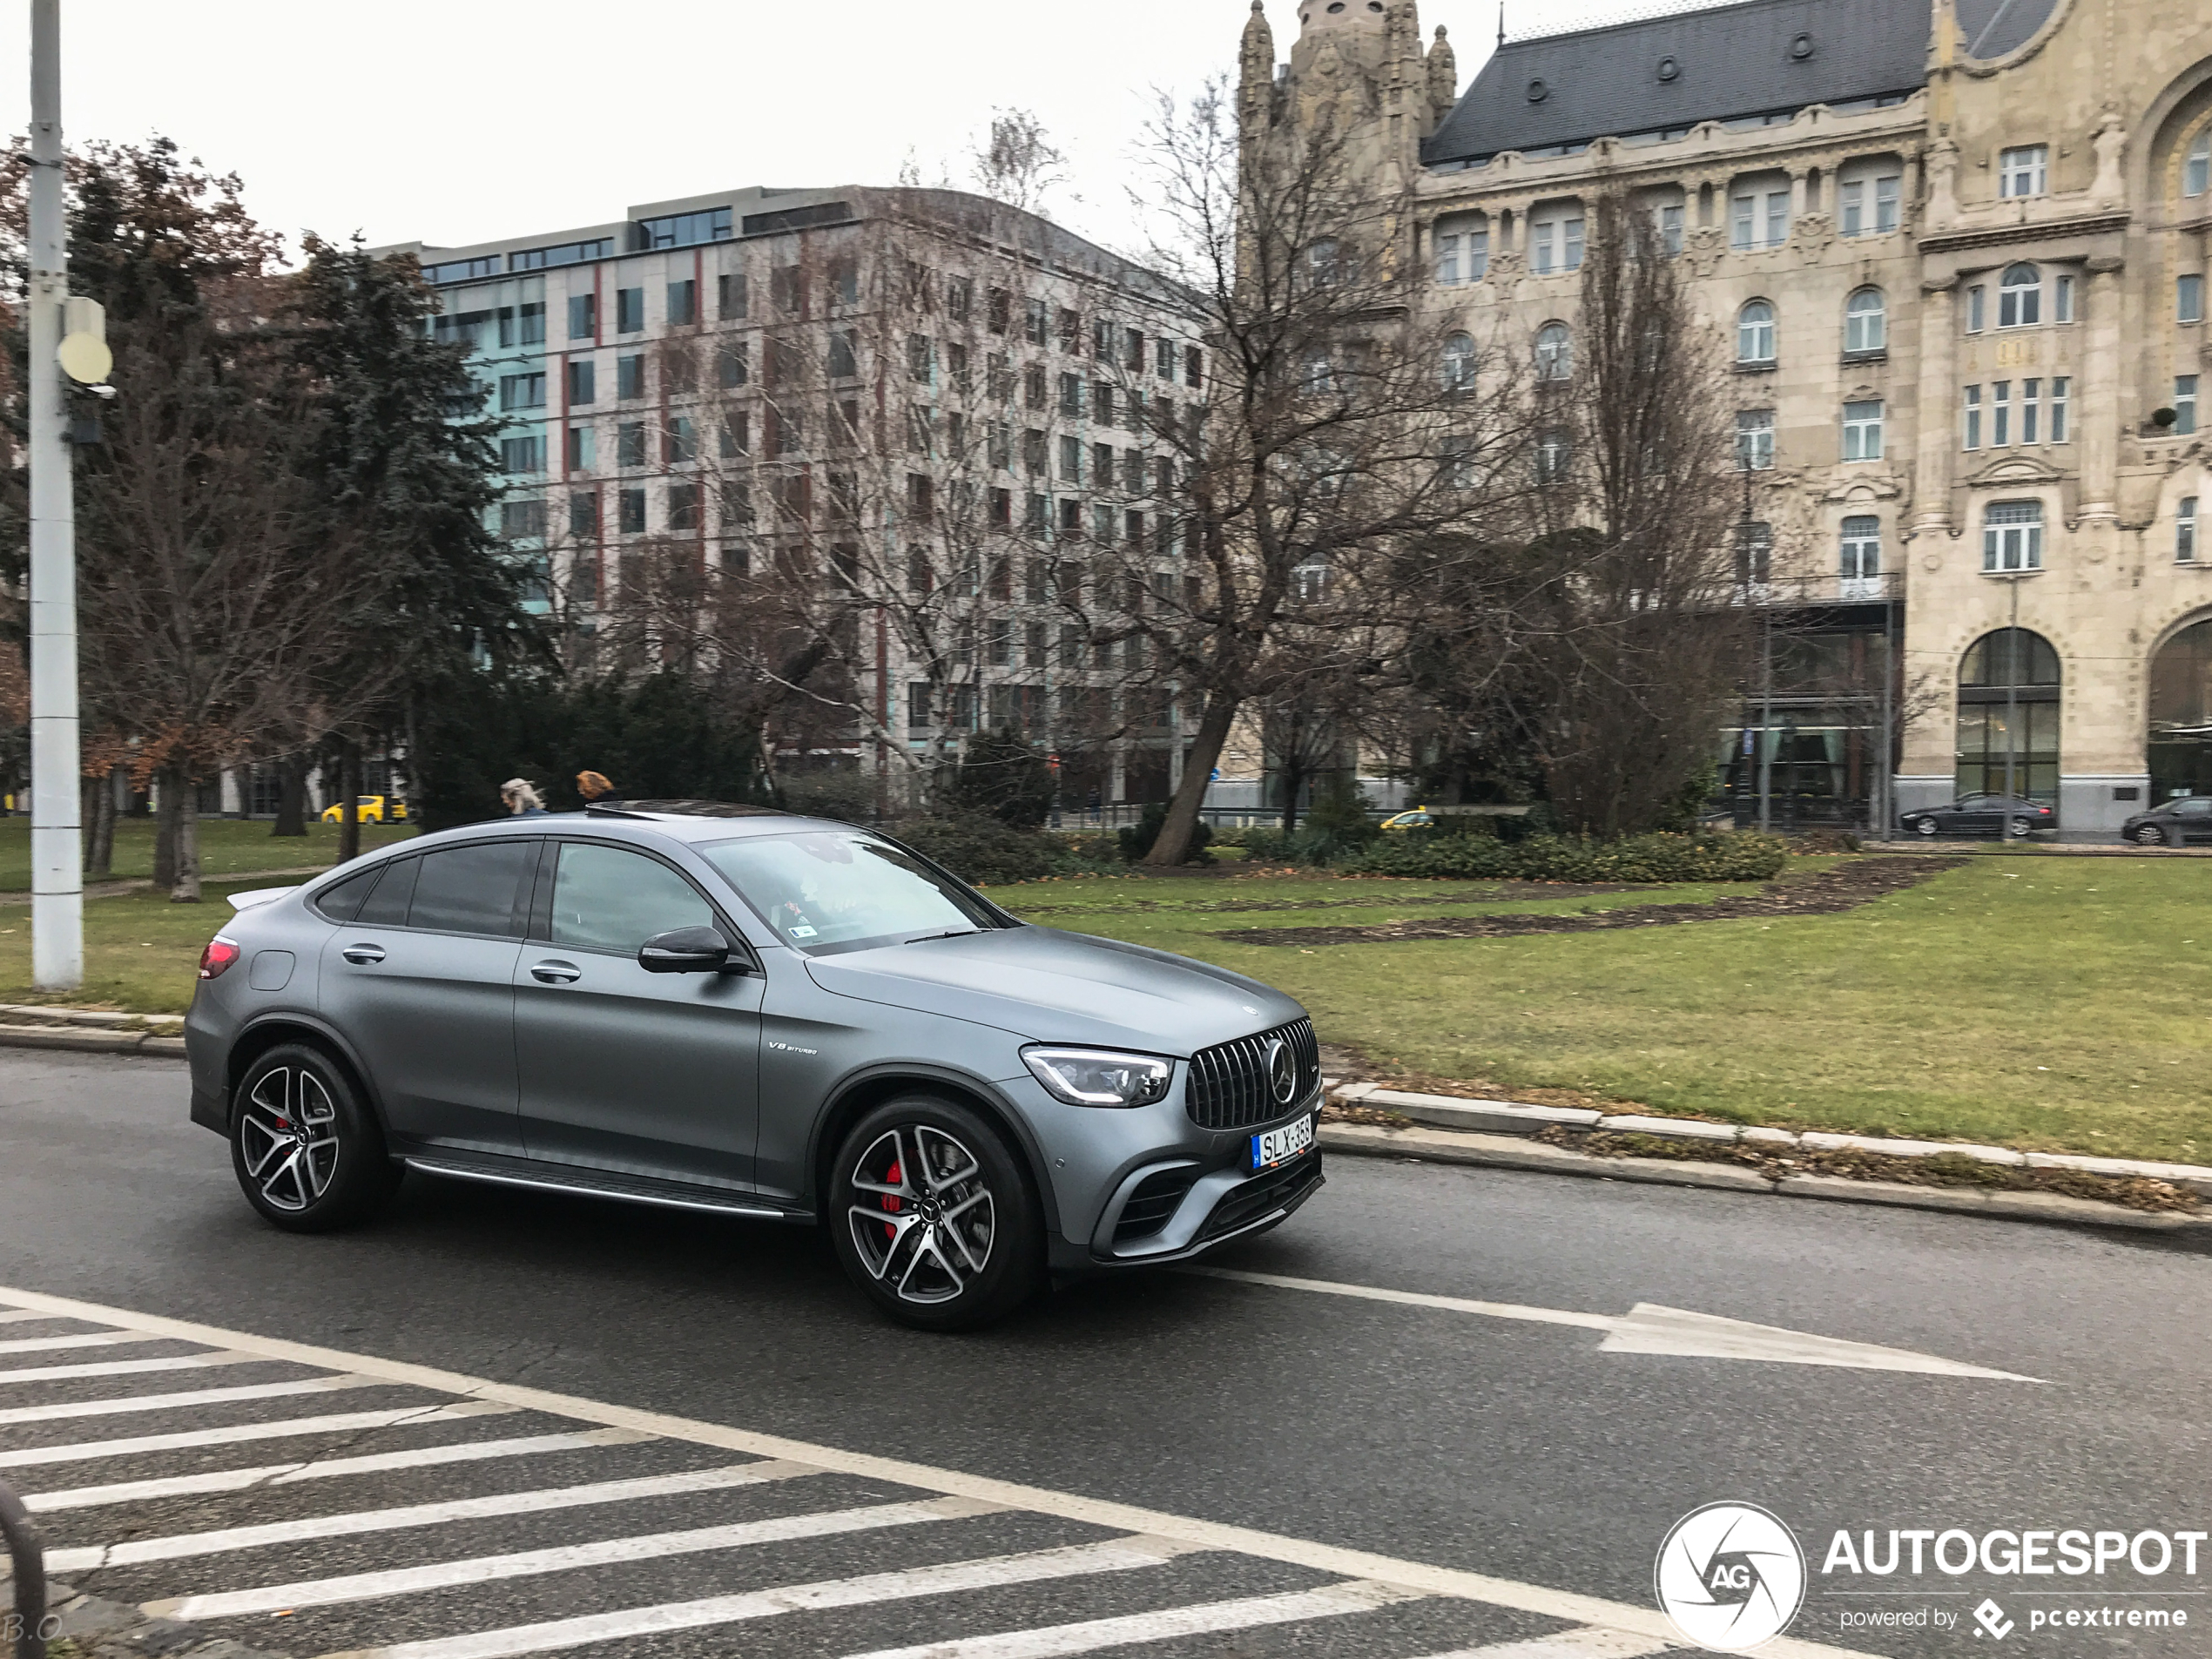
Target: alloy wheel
2149,836
922,1220
288,1136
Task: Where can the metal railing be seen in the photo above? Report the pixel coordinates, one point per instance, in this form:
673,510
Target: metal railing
24,1631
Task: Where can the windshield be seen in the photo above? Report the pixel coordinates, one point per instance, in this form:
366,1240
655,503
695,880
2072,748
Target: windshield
827,891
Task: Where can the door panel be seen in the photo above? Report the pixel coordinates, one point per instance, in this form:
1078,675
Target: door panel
652,1075
432,1014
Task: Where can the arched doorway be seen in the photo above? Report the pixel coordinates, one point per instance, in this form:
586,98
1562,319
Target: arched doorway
2180,715
2008,717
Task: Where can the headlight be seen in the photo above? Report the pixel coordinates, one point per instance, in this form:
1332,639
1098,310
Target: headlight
1099,1076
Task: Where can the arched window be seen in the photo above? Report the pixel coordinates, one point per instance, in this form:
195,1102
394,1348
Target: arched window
2008,717
1458,362
1755,333
2180,715
2012,535
1554,353
2196,169
2019,297
1866,321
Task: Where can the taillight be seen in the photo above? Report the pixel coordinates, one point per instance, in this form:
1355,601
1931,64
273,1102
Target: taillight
217,957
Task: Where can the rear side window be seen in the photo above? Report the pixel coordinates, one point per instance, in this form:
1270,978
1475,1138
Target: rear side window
387,905
470,889
343,901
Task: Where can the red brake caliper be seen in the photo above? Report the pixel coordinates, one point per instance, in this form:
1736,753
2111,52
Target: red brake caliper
892,1176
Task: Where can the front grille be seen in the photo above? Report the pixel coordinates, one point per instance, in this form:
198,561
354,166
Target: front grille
1229,1087
1156,1197
1262,1193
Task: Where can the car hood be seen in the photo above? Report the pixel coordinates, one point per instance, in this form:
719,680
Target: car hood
1054,987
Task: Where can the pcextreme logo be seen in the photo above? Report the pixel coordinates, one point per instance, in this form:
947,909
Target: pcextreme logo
1730,1576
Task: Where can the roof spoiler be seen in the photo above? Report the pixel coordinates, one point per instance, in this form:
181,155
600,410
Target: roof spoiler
258,896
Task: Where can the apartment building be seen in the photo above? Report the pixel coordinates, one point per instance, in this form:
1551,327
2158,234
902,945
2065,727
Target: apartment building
936,414
1954,252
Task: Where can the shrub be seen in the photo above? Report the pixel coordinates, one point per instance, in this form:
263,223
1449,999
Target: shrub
1740,857
977,847
1001,774
1137,841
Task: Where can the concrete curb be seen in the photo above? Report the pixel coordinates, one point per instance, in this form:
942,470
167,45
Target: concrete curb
91,1030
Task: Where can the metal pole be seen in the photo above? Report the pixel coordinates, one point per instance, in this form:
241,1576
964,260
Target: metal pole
56,856
2013,700
1766,719
27,1561
1886,777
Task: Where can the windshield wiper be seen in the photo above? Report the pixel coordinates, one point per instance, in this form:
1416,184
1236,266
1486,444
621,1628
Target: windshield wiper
957,933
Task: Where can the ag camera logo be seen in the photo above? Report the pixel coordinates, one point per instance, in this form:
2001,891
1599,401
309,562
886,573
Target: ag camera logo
1730,1576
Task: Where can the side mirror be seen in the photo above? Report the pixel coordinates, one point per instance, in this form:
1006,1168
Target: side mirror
690,950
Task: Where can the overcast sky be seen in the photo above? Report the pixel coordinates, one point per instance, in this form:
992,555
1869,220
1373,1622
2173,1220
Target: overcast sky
456,121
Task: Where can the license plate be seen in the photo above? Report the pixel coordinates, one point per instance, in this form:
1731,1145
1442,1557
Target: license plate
1280,1145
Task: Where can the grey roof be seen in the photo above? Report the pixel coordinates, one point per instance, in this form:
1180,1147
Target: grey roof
1728,61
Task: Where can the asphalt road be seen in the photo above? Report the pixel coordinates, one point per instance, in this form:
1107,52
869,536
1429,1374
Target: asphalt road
1520,1450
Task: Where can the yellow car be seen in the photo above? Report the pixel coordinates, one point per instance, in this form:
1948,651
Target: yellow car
370,809
1417,818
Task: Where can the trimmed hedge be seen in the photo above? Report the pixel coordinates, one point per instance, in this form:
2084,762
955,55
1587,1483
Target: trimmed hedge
1743,856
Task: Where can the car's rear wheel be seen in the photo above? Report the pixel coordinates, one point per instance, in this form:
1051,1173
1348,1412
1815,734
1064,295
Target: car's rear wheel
308,1154
2022,828
2149,835
1925,826
933,1216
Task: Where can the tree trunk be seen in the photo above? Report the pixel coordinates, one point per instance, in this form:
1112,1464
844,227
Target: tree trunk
1174,843
349,800
99,845
292,796
183,886
169,799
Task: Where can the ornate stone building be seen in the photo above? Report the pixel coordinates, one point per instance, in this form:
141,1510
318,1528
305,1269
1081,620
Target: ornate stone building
1956,253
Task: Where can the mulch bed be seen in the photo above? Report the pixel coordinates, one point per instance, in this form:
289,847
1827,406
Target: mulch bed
1844,887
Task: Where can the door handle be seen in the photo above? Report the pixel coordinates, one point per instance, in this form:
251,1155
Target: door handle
363,955
555,972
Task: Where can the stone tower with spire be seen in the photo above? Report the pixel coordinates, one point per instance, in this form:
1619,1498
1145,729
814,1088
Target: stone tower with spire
1358,66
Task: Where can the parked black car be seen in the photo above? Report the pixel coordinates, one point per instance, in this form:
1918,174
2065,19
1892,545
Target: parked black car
2187,822
1982,815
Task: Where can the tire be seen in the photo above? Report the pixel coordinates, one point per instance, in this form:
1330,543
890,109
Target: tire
955,1250
307,1150
2021,829
1927,827
2149,835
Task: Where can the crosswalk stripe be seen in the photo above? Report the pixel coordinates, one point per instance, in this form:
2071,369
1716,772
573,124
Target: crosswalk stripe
990,1572
1355,1596
1594,1642
417,1514
232,1433
281,1474
127,1367
87,1340
24,1316
126,1403
483,1569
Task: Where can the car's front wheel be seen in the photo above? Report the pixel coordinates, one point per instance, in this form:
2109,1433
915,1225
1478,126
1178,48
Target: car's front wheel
2149,835
1925,826
308,1154
933,1216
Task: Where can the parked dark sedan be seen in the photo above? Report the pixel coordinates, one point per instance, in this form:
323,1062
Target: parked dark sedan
2187,822
1982,815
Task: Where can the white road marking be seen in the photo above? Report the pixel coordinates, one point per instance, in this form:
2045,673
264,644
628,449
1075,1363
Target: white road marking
127,1403
24,1316
232,1433
988,1572
1648,1328
1090,1634
283,1474
416,1514
90,1340
603,1551
126,1367
1540,1599
1569,1644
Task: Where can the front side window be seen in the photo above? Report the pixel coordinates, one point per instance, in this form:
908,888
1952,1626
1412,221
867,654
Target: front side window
2019,297
1862,548
2024,171
2012,537
1554,353
1863,430
1755,333
1755,440
2185,530
832,891
607,898
1866,321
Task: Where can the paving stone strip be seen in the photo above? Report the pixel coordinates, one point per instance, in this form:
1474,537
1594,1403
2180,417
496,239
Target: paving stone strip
1845,887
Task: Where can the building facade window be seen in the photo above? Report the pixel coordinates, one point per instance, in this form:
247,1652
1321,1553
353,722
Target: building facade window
583,380
1862,548
1973,417
2019,297
2185,527
630,376
1977,308
1458,362
1553,454
522,521
629,310
584,514
2189,301
1554,353
1753,554
1666,220
2008,715
1555,243
1761,217
2024,171
584,315
525,454
732,297
630,444
522,391
1755,440
2062,298
630,505
680,442
1866,321
2061,386
2184,405
2000,414
1863,430
2012,537
1868,206
684,507
580,450
1755,334
2031,410
683,302
1462,250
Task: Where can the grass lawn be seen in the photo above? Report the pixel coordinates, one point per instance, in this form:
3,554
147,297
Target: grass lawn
141,952
227,847
2049,1004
